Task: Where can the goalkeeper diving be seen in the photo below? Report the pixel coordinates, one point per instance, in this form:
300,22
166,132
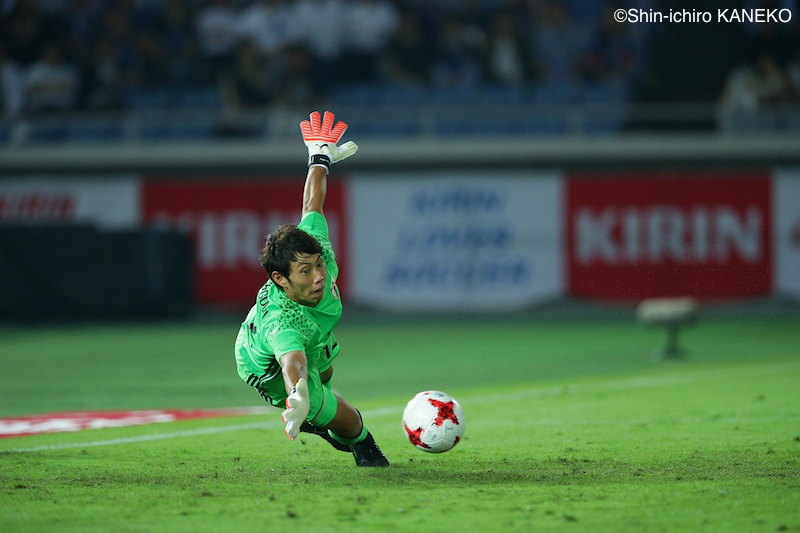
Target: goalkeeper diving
285,347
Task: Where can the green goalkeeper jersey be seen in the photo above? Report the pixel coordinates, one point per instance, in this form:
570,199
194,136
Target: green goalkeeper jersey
277,325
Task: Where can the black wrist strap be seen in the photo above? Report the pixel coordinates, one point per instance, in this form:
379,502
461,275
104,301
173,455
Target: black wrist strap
320,160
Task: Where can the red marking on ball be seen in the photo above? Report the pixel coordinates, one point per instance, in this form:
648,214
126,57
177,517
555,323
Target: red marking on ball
414,436
445,412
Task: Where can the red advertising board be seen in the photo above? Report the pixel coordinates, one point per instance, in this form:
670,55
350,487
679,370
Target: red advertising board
644,235
229,218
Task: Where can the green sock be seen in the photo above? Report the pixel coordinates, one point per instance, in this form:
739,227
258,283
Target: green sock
349,442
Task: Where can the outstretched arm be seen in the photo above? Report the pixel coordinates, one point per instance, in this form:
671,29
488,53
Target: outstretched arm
321,136
298,403
315,190
295,367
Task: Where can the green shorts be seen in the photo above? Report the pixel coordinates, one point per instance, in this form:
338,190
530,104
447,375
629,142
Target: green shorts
323,400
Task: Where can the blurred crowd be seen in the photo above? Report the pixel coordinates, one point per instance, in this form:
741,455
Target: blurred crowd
64,55
769,72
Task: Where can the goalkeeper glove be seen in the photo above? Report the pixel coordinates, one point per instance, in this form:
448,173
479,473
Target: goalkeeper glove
321,137
297,405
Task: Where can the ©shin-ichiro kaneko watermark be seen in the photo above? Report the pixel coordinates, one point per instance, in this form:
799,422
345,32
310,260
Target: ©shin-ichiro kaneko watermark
693,15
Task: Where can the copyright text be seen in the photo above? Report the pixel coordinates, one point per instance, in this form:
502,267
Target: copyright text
686,15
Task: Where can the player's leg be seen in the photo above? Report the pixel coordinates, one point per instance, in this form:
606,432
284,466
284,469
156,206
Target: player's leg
327,409
323,407
346,423
308,427
348,428
367,453
342,420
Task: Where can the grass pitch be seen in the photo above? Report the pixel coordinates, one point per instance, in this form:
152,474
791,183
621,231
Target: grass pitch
570,427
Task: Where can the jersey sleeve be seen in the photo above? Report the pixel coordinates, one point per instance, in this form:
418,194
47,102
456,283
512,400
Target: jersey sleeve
286,340
315,225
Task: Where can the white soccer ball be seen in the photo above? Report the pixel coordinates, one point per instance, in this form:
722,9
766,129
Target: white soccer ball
433,421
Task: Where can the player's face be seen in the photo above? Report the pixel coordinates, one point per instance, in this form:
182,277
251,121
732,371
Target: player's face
306,282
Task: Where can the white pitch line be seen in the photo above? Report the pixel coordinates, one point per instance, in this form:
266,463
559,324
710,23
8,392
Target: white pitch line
176,434
622,384
144,438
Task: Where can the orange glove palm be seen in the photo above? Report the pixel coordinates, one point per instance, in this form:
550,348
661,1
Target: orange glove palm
321,137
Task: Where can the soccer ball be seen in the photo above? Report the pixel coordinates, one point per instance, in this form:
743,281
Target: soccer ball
433,421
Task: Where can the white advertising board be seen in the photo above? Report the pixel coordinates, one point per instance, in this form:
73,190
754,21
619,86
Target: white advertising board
448,241
786,228
110,202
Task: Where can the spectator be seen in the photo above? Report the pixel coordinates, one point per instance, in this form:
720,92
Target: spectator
750,87
103,79
22,33
291,78
458,51
771,85
51,83
250,78
558,43
408,56
175,21
507,59
775,39
84,21
217,35
265,23
12,86
612,54
371,24
319,26
117,29
770,39
151,66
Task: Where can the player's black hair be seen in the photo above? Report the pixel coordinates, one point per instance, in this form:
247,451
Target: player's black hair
282,246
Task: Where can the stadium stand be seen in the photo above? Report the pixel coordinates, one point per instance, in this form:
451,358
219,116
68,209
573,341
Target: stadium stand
470,68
